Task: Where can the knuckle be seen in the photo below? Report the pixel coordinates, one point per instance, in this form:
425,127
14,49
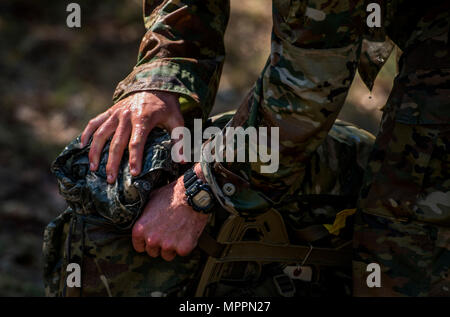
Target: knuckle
99,133
105,129
168,246
143,119
152,240
138,230
183,250
134,145
125,114
116,113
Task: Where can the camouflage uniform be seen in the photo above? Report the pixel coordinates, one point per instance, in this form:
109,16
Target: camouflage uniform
403,215
95,230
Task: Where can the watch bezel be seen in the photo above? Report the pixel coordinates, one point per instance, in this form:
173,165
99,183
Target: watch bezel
193,190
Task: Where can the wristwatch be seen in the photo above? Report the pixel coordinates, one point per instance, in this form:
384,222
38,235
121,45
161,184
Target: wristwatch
199,194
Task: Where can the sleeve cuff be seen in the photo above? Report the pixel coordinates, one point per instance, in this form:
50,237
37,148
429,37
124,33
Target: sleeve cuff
242,200
176,76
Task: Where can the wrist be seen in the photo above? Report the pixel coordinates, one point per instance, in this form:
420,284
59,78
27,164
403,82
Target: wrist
198,192
198,171
165,95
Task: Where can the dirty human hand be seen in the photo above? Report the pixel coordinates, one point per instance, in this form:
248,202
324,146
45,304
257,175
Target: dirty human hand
129,122
169,225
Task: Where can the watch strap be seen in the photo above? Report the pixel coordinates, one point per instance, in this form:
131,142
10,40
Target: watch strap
193,185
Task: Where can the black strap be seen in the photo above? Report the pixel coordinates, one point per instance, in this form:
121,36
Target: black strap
189,178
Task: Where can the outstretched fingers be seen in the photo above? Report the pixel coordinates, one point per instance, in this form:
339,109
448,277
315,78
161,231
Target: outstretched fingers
136,147
117,147
92,126
98,141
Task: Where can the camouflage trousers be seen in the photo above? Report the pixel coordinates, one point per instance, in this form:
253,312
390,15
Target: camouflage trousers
403,221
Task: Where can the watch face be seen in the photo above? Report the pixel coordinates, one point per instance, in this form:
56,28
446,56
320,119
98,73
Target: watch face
202,199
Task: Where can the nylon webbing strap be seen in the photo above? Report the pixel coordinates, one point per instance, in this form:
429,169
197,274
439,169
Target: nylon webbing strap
311,233
260,251
210,245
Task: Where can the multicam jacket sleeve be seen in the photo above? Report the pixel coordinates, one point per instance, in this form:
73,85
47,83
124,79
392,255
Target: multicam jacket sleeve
315,50
182,52
314,56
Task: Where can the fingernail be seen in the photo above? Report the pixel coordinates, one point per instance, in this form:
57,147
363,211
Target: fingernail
134,171
110,178
92,166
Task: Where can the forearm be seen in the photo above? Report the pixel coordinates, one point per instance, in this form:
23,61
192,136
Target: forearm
300,92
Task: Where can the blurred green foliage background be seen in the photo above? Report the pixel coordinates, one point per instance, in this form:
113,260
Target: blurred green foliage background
54,79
